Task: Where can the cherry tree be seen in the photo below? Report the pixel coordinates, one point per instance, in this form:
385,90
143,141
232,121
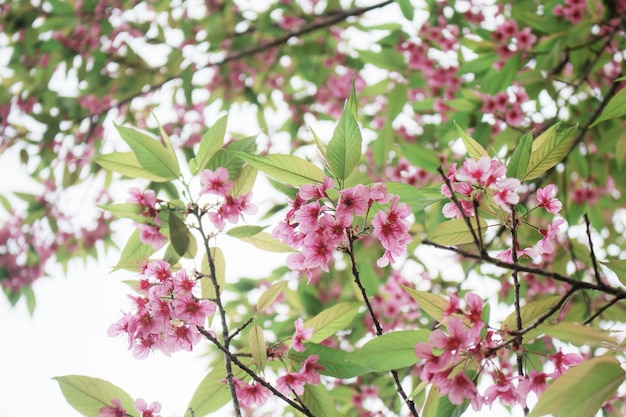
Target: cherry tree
486,135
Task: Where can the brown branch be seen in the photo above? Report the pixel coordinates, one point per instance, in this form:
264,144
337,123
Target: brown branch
596,273
377,325
603,309
579,285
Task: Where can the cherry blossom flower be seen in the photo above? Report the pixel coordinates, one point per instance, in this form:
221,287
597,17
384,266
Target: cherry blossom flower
562,362
507,255
535,382
546,245
291,381
391,228
458,388
150,235
191,310
215,182
251,394
145,410
300,336
504,194
504,390
546,198
116,410
310,370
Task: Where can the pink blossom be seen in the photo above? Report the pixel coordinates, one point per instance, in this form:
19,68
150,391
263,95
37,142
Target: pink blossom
251,394
482,172
215,182
535,382
316,191
525,39
310,370
504,194
379,194
318,252
307,217
546,198
191,310
546,245
458,388
145,410
562,362
116,410
150,235
353,200
451,210
505,390
300,336
182,337
507,255
291,381
391,228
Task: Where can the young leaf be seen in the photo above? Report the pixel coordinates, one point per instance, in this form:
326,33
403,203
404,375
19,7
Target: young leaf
269,295
258,350
521,156
579,335
456,232
244,231
88,395
331,320
125,211
244,181
321,148
179,234
285,168
344,149
133,253
417,199
318,401
474,149
529,312
210,143
126,163
421,157
406,8
151,154
394,350
433,304
619,267
615,108
582,390
549,149
267,242
336,362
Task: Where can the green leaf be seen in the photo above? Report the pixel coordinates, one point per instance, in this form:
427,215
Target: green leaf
210,143
394,350
433,304
269,295
321,148
126,211
579,335
179,233
126,163
244,181
336,362
619,267
417,199
288,169
244,231
456,232
549,149
318,401
212,393
521,156
88,395
582,390
344,149
530,312
421,157
474,149
151,154
331,320
258,350
406,8
133,253
267,242
615,108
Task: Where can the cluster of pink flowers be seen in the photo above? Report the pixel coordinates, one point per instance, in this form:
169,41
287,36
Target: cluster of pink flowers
166,312
573,10
464,340
318,227
478,179
149,232
506,107
231,208
392,304
510,40
141,406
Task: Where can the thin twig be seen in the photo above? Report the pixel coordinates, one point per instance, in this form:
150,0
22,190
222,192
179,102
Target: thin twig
603,309
594,262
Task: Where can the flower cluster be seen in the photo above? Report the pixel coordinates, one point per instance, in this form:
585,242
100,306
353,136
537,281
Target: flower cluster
475,180
318,227
166,313
447,354
149,233
231,208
